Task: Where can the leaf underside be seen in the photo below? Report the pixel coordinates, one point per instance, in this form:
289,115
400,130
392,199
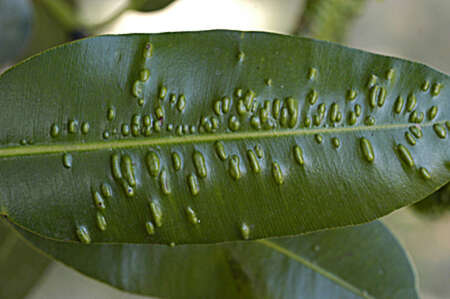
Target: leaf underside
355,262
204,137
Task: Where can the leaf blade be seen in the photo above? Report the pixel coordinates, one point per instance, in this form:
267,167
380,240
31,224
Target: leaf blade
365,259
99,75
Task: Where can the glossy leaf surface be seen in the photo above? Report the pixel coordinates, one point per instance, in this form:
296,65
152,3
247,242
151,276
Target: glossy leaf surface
21,267
205,137
363,261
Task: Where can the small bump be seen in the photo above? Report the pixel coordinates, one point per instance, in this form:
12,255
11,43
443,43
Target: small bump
440,131
432,112
67,160
233,123
54,130
416,131
245,231
106,135
373,96
162,92
193,184
276,108
125,130
234,169
106,190
85,128
156,212
312,74
218,108
410,138
128,170
284,117
172,244
336,142
115,166
226,104
277,173
141,102
357,110
153,163
369,121
398,106
220,150
148,50
312,97
321,108
298,155
254,163
159,112
147,120
334,110
138,89
240,108
436,89
176,159
268,82
367,150
129,191
255,122
144,75
425,173
425,86
318,138
238,93
241,56
447,123
405,155
372,81
259,151
382,97
73,126
200,164
390,74
150,228
249,98
192,216
83,234
164,182
181,103
307,122
351,95
411,102
111,114
351,118
101,222
99,201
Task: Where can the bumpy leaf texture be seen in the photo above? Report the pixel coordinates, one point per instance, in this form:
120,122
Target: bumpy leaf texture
203,137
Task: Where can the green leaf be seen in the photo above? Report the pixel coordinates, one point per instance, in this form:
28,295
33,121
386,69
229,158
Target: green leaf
15,27
20,266
204,137
435,205
149,5
363,261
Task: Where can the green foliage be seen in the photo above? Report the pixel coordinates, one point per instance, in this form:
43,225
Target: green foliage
205,137
21,267
15,22
364,261
329,19
435,205
149,5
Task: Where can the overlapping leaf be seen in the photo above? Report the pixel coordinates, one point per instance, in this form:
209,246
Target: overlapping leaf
205,137
363,261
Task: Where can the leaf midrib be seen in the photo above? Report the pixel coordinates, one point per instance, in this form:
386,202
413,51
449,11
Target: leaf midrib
316,268
140,142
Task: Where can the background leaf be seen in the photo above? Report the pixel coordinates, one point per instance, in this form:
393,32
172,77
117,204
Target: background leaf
435,205
150,5
156,138
363,261
21,267
15,28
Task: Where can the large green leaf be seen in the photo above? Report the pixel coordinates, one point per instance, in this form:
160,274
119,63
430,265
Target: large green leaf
363,261
20,266
213,136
